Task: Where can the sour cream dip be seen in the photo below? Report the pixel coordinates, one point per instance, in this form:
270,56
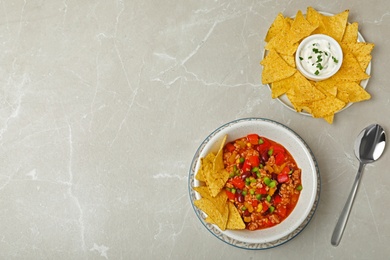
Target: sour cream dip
318,57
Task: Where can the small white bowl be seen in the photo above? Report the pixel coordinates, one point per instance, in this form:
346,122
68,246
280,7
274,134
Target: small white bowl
306,43
308,199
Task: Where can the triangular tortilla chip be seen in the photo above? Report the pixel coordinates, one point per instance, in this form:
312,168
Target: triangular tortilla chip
303,91
300,28
234,221
219,201
282,42
335,25
315,18
277,26
217,177
361,51
275,68
352,92
350,70
326,106
329,118
216,215
351,33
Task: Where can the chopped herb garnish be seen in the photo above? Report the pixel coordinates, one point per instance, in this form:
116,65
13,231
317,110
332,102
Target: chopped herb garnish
300,58
319,66
334,59
315,50
317,72
310,57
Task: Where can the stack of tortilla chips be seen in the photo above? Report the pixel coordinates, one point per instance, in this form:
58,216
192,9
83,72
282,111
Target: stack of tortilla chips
214,201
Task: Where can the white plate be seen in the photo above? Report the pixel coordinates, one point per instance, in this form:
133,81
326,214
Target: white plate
308,200
286,102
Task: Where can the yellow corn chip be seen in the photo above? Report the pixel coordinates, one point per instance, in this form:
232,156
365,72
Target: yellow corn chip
352,92
361,51
220,217
329,118
300,28
277,26
234,221
326,106
351,33
335,25
350,70
275,68
303,91
315,18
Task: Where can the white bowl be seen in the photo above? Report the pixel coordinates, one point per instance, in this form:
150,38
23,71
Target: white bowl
305,208
307,42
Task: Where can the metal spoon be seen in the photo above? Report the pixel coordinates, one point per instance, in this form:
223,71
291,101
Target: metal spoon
369,146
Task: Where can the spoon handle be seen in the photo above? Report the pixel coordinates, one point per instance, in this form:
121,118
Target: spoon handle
342,222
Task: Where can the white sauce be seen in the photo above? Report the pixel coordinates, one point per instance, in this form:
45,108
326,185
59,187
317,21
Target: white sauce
318,57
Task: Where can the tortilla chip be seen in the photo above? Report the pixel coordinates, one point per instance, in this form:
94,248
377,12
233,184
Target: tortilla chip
205,167
218,201
234,221
315,18
303,91
282,42
352,92
328,86
326,106
300,28
351,33
335,25
217,176
275,68
289,59
200,176
280,87
220,217
329,118
350,70
276,27
361,51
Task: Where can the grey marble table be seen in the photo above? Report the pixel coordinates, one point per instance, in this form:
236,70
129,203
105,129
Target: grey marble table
104,103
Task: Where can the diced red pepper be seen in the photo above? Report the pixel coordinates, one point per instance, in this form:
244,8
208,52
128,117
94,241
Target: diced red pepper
238,183
254,160
282,177
264,146
255,203
253,138
230,195
246,166
261,190
277,199
230,147
286,170
265,207
278,149
279,158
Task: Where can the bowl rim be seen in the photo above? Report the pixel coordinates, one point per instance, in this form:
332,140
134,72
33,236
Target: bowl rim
311,76
225,236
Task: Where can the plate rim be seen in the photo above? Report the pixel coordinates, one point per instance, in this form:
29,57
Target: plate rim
219,234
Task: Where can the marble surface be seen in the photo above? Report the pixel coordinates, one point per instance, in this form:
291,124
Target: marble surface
104,103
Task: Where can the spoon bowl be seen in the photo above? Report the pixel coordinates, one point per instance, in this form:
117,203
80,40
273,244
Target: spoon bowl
369,146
